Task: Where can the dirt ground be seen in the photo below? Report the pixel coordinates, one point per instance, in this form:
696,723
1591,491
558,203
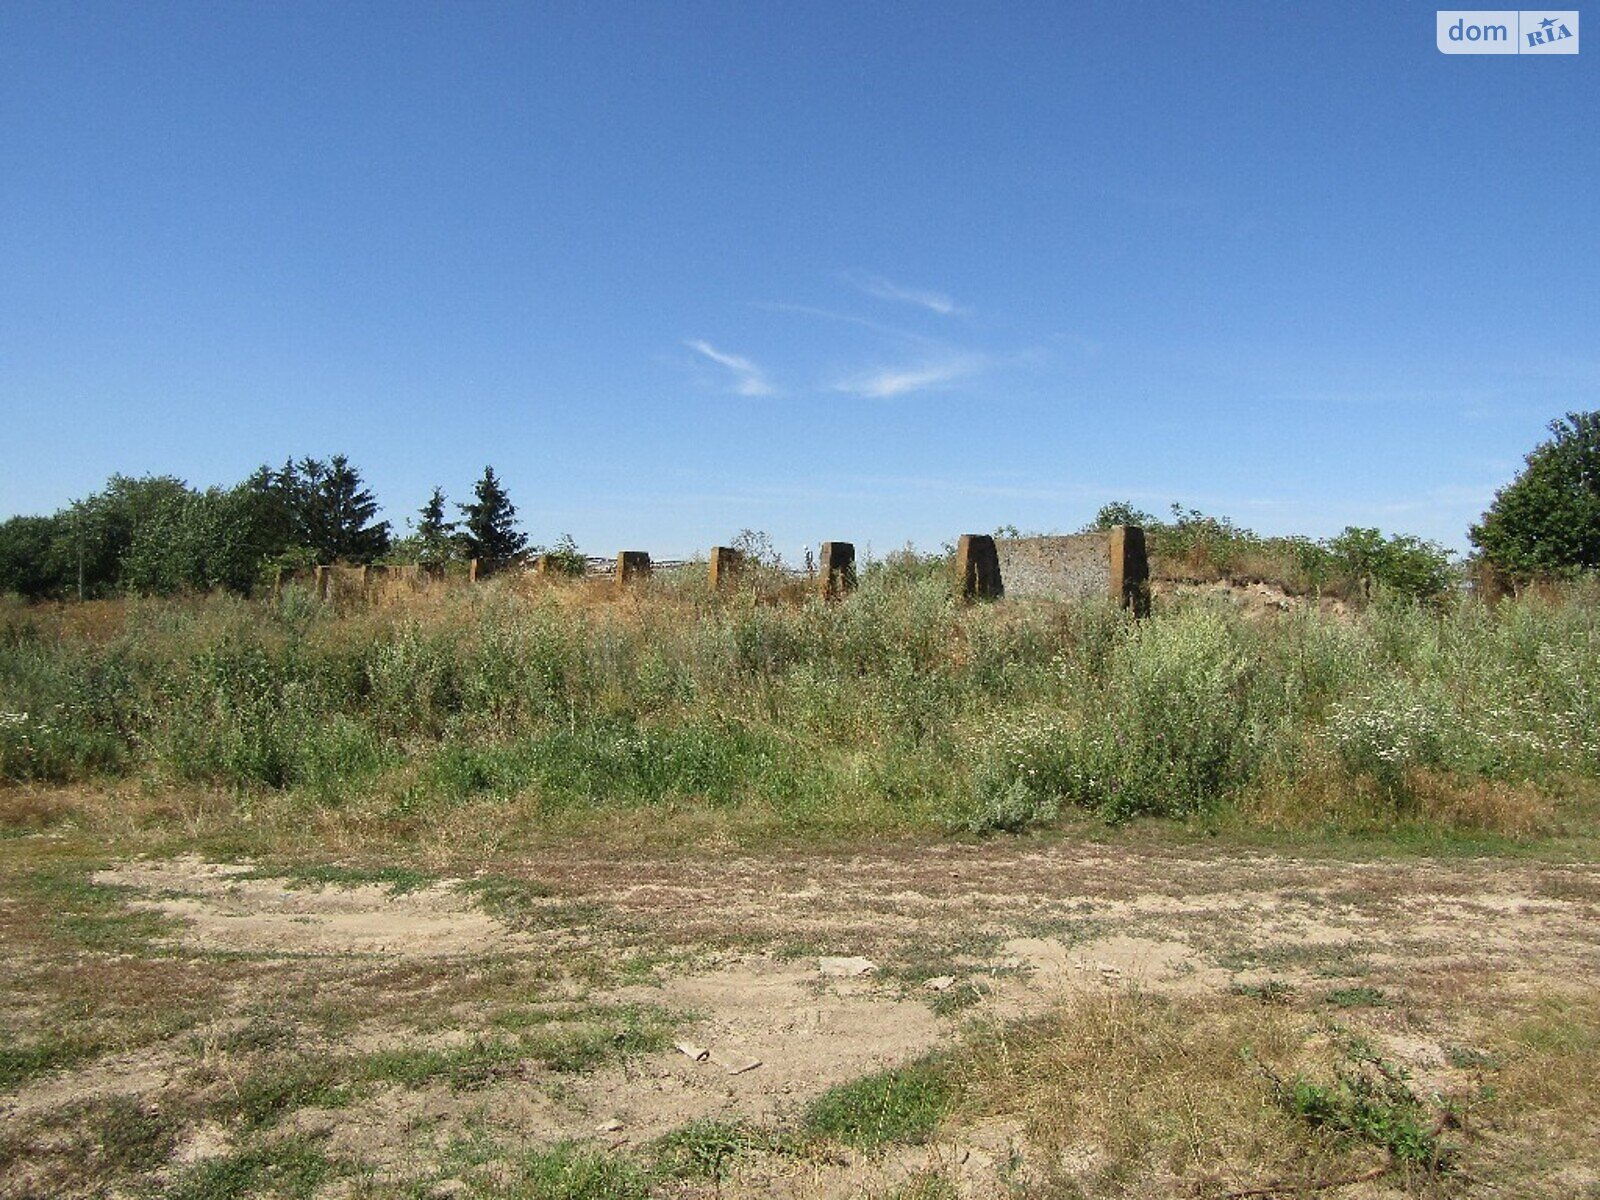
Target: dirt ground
780,976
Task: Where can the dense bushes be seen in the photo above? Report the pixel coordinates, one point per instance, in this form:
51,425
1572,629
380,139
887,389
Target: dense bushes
1356,562
897,707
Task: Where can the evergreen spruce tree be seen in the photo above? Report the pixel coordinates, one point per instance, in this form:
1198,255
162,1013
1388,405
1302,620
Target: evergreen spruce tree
489,532
346,509
276,499
328,510
435,535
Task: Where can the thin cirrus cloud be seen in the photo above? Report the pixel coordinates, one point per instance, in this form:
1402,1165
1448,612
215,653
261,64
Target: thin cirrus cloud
889,382
883,289
748,379
826,314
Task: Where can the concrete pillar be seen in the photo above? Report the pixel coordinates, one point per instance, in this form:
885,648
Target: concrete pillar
472,571
978,565
726,563
836,574
632,565
321,583
1130,569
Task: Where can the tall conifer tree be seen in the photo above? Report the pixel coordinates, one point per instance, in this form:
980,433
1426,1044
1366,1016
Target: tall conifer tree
489,531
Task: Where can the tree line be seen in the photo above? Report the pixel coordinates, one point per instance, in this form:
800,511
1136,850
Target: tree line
157,534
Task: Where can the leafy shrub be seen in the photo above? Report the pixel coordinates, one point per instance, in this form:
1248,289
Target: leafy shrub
54,746
294,1168
1406,566
1193,545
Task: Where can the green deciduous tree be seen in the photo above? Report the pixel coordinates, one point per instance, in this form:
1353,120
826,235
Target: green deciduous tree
1547,520
157,534
489,533
196,542
96,533
31,561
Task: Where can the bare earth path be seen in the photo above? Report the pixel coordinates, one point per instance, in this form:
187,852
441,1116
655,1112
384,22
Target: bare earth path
794,972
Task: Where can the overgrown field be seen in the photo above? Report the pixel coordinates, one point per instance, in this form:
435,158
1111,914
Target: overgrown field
555,893
899,709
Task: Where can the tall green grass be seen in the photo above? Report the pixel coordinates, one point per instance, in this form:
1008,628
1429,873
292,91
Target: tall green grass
899,706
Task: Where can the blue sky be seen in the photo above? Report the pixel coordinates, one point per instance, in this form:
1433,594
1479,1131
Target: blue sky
879,273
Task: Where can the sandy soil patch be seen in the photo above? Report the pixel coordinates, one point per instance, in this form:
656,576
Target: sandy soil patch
807,1032
1151,965
223,907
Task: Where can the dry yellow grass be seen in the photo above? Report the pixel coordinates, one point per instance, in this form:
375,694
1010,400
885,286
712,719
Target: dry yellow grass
1123,1094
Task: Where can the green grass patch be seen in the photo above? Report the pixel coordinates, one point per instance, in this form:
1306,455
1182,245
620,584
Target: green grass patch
1368,1099
903,1105
1268,991
1470,1058
89,915
131,1137
709,1149
259,1034
21,1062
1326,961
1356,997
512,901
926,1185
277,1088
1560,1026
600,1034
959,996
569,1172
475,1065
292,1170
86,1145
571,1041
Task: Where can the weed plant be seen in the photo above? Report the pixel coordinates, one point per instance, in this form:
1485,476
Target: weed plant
1369,1099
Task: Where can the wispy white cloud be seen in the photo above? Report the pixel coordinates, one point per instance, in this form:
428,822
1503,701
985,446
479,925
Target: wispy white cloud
825,314
883,289
749,379
888,382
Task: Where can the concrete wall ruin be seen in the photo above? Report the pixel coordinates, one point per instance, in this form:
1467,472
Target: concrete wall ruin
1108,563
